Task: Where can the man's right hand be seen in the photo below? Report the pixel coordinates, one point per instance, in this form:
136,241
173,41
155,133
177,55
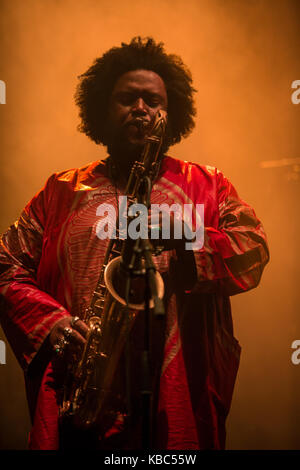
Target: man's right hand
74,332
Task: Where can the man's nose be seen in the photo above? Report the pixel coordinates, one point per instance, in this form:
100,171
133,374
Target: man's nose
139,107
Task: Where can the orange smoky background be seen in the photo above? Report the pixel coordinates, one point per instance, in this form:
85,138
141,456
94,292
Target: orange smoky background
244,57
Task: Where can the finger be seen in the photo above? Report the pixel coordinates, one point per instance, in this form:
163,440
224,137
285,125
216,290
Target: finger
75,338
70,334
81,327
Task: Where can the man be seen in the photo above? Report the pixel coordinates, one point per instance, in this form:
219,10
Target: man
51,259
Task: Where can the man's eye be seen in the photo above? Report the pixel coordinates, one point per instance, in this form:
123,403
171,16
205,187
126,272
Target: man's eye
126,99
153,102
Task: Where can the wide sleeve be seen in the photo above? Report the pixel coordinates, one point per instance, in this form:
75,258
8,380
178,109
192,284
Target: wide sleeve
27,313
235,251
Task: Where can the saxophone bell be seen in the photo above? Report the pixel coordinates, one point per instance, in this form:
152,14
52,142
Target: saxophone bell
114,280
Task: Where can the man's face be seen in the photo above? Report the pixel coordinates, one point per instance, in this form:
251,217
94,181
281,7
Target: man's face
135,99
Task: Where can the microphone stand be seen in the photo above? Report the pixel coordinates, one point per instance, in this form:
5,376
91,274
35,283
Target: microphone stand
146,389
143,248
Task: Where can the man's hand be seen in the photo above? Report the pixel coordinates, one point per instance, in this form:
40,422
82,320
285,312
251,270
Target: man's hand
185,258
68,333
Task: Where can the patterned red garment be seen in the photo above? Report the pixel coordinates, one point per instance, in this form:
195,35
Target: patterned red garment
50,260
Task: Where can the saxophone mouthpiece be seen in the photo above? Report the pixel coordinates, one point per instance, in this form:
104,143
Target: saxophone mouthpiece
142,124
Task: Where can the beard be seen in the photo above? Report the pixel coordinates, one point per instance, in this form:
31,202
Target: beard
124,152
125,146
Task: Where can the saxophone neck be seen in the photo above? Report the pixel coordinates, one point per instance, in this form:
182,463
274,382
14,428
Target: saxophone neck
148,165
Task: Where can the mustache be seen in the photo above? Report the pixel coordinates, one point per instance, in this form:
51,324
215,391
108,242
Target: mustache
142,124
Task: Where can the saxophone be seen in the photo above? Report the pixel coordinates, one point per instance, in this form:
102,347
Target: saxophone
112,312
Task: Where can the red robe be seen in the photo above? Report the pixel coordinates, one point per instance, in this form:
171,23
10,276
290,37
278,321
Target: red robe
50,260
